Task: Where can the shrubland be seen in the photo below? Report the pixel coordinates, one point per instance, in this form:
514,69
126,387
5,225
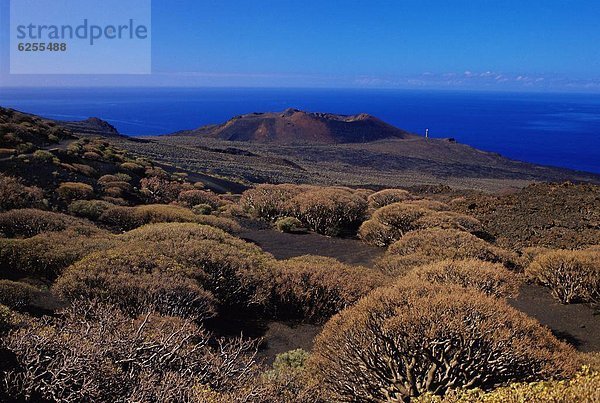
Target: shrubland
393,345
432,245
326,210
92,352
391,222
489,278
571,275
313,288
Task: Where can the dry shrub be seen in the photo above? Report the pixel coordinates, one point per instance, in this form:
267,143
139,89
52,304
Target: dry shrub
572,276
91,209
429,204
85,170
439,244
489,278
127,218
157,190
26,223
118,177
583,387
193,197
329,211
94,353
13,194
47,254
132,167
269,202
237,273
137,279
390,223
314,288
70,191
406,340
178,234
16,295
386,197
400,265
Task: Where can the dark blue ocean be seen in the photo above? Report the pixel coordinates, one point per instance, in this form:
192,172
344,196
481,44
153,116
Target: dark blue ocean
551,129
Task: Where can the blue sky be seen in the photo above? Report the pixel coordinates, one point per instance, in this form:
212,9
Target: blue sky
538,45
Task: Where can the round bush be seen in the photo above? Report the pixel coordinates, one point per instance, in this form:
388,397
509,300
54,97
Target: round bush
390,223
313,288
137,279
194,197
387,196
572,276
46,255
16,295
490,278
329,211
288,224
269,202
30,222
75,191
202,209
91,209
440,244
404,341
13,194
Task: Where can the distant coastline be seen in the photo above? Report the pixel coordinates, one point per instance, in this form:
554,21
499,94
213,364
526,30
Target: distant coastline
551,129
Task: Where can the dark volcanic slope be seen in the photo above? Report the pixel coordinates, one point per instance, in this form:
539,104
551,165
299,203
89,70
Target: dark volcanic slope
91,126
297,127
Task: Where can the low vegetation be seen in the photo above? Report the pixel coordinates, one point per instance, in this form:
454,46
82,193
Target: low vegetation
112,268
433,245
14,194
391,222
392,345
314,288
489,278
571,275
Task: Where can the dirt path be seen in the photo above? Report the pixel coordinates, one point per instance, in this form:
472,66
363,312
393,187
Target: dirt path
577,324
285,246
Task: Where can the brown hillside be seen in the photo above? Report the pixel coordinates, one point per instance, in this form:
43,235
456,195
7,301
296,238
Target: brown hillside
297,127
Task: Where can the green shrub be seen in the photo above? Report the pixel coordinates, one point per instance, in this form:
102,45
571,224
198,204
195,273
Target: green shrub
572,276
70,191
237,273
202,209
406,340
46,255
583,387
127,218
43,155
288,224
290,359
26,223
91,209
16,295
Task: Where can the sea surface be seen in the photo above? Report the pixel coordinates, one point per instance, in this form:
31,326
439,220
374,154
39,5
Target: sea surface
550,129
